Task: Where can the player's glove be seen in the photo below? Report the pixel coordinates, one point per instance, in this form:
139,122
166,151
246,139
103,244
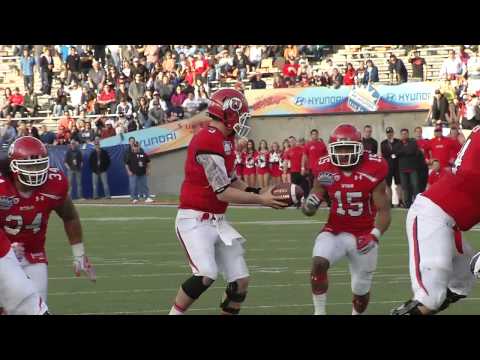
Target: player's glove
365,243
311,204
19,250
81,262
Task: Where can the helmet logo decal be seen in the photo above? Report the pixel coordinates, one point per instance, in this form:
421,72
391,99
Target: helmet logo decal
234,104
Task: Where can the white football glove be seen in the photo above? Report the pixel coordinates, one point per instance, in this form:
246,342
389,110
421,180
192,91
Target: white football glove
475,265
81,263
311,204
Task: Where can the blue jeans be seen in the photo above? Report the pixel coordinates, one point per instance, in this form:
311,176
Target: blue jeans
104,180
142,186
132,184
78,182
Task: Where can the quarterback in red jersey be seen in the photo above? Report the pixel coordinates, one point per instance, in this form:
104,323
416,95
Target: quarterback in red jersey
28,194
211,244
439,256
354,181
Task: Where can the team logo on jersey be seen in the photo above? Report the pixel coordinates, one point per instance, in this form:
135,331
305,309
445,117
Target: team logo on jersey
326,178
234,104
6,202
227,147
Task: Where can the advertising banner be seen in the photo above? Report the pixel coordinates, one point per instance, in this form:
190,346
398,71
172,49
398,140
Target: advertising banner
346,99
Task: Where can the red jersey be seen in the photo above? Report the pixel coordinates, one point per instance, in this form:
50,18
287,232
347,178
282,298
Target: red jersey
442,149
25,219
294,155
196,193
352,209
457,192
434,176
315,150
424,146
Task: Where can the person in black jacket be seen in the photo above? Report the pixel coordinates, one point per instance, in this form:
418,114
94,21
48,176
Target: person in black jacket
46,71
369,143
398,67
74,162
408,153
99,163
389,148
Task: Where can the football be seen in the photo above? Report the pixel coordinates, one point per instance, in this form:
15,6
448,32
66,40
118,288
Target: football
291,194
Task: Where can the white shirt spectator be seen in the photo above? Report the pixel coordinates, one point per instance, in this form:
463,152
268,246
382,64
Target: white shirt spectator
473,67
125,109
190,105
452,67
470,108
255,53
75,96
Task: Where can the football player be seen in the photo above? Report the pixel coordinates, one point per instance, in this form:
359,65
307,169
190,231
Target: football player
353,179
439,256
211,244
28,194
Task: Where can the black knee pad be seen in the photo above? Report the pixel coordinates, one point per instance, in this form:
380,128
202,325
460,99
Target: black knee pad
194,287
232,296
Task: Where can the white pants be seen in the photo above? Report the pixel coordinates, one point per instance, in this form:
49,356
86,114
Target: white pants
18,293
362,266
206,252
436,261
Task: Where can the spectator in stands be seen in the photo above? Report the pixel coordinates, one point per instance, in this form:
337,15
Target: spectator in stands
337,79
67,121
168,63
257,82
127,71
75,134
86,60
72,66
75,102
190,105
17,103
291,69
255,55
389,148
452,67
472,112
74,164
278,82
473,66
113,76
114,51
46,136
407,161
360,74
398,71
371,73
142,114
349,77
87,133
224,65
46,71
106,99
27,62
108,130
436,173
22,130
99,53
328,67
418,63
240,62
99,163
458,139
369,143
136,90
200,66
439,110
122,92
97,75
30,103
442,148
9,134
290,52
156,110
63,136
201,85
124,109
463,55
423,158
177,100
152,55
5,104
60,101
139,68
137,166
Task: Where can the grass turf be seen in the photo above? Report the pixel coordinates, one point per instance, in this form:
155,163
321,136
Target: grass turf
140,265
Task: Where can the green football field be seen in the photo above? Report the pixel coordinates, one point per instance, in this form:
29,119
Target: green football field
140,264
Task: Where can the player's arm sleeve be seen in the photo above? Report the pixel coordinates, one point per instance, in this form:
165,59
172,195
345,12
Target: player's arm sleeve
215,171
71,221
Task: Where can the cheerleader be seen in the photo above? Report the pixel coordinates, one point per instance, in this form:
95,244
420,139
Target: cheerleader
239,165
285,163
261,163
274,162
249,169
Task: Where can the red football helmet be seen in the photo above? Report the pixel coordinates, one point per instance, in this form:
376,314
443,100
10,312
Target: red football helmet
29,161
345,136
230,107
